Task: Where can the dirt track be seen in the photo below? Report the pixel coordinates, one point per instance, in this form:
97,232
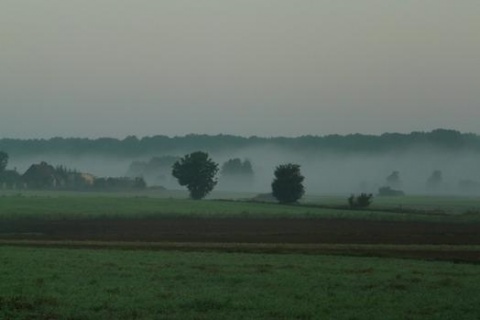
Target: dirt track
263,231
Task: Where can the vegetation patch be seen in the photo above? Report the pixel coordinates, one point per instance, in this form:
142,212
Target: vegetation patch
115,284
54,206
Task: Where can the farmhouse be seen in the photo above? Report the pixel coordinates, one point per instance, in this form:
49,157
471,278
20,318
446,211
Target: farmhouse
42,175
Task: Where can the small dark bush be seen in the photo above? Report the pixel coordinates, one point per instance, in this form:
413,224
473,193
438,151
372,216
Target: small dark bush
361,201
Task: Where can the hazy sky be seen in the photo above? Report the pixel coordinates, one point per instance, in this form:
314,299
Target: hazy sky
249,67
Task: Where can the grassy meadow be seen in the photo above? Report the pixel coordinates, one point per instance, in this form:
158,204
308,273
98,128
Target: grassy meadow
115,284
435,204
156,281
70,205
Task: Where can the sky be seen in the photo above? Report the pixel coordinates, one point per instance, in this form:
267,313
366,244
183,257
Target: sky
245,67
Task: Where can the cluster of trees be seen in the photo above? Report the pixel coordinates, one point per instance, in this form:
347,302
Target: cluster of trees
3,161
236,174
197,171
46,176
133,147
8,178
237,167
434,184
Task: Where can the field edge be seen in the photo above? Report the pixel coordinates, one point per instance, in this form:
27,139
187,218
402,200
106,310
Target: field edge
453,253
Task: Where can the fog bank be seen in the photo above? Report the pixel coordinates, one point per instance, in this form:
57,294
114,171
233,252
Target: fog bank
325,173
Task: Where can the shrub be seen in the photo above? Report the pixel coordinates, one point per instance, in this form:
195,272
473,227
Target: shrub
361,201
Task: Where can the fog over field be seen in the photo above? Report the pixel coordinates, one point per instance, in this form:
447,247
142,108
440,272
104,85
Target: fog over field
325,173
333,173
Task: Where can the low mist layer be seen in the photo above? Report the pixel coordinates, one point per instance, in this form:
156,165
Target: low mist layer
439,162
324,173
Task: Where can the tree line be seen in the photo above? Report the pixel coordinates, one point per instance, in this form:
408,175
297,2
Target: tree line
45,176
440,139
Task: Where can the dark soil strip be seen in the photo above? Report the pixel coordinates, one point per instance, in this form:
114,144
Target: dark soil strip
243,230
460,254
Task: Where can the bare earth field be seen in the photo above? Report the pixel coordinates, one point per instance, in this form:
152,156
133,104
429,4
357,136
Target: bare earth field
442,241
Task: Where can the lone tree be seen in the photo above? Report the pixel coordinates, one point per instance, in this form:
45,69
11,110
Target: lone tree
287,187
196,171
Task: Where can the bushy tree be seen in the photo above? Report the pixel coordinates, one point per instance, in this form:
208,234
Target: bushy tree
3,161
287,187
197,172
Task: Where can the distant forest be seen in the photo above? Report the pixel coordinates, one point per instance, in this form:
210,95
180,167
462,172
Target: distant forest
131,146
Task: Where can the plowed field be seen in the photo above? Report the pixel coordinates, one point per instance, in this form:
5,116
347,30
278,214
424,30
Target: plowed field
305,235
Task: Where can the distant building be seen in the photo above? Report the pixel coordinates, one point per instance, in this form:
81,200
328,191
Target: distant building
41,176
88,179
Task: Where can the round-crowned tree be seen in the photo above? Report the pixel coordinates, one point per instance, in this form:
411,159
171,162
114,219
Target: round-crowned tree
287,187
197,172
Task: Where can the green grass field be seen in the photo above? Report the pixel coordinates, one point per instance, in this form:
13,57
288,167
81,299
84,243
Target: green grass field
130,207
114,284
58,205
446,204
143,281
